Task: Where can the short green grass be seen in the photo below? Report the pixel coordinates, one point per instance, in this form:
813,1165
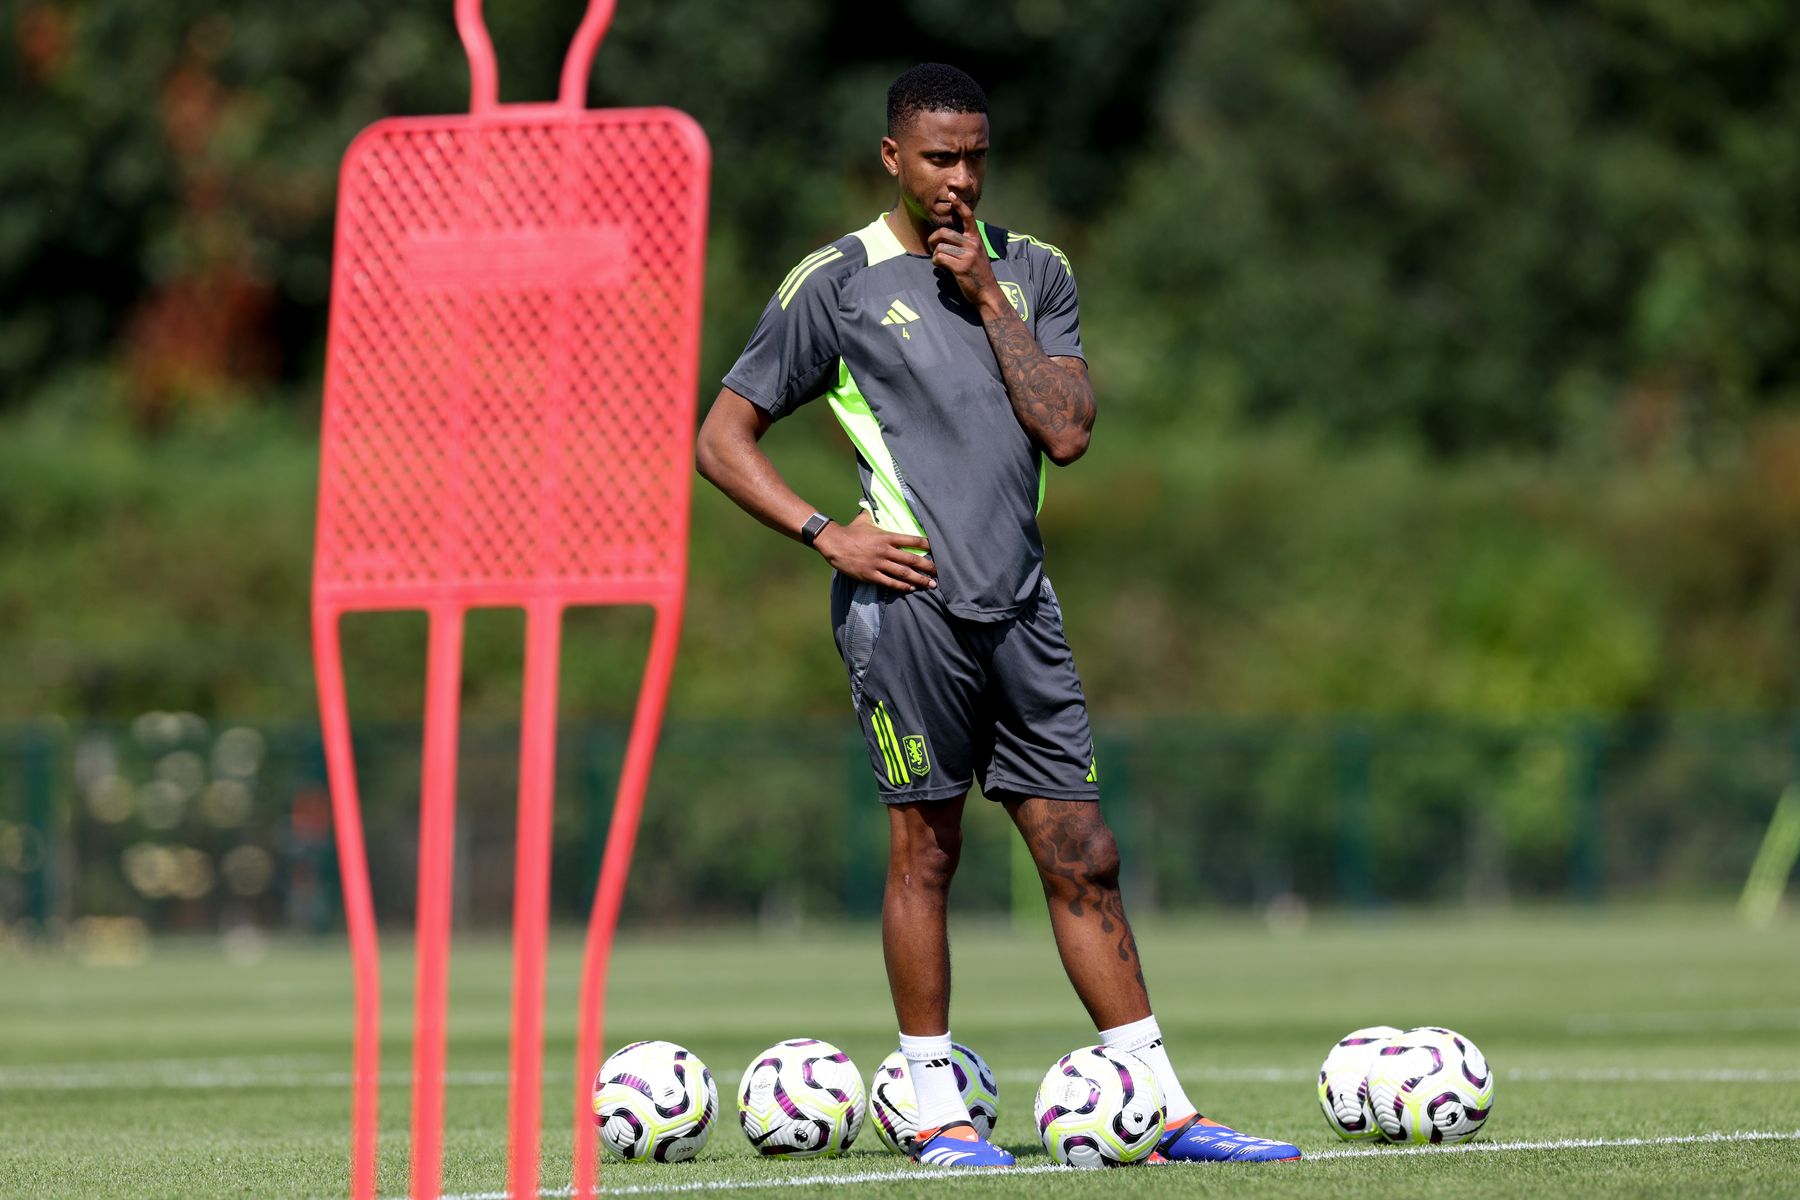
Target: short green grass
193,1076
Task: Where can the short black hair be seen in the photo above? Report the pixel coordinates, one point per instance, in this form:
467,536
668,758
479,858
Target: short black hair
932,87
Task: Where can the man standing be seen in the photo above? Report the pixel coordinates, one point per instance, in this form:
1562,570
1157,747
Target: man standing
950,351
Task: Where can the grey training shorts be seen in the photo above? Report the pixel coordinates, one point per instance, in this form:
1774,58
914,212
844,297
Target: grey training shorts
944,701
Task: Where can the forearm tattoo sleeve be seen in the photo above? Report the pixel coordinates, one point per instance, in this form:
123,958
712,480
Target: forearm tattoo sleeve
1048,398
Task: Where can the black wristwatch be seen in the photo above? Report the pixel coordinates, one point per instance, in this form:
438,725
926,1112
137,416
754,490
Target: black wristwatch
815,525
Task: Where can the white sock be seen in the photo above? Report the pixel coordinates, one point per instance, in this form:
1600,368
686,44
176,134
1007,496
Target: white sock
933,1080
1144,1039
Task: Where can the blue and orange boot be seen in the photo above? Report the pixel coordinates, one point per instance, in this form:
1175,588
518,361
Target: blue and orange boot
957,1145
1198,1139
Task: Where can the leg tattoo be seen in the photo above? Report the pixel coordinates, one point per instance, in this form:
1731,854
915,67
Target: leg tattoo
1078,860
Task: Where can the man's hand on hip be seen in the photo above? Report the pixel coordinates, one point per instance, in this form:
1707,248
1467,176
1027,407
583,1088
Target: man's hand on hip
865,551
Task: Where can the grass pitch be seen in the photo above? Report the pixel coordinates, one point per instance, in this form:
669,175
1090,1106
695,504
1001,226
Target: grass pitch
1639,1052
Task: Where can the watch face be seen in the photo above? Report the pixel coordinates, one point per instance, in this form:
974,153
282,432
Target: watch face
814,524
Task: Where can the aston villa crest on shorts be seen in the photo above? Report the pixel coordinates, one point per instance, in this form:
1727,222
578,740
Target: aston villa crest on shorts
917,760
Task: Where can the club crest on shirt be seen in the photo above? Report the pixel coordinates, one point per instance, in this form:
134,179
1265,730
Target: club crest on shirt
1016,295
917,760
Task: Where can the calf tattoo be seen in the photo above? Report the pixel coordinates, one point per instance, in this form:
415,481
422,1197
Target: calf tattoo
1079,863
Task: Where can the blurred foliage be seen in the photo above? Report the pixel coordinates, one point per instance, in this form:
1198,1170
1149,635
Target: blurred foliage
190,825
1563,226
1447,354
1255,572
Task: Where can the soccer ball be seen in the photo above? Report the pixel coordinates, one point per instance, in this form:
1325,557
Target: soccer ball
801,1098
1430,1085
1344,1083
654,1101
1099,1108
896,1110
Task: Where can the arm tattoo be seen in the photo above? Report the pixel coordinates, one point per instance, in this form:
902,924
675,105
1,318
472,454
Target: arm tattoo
1047,397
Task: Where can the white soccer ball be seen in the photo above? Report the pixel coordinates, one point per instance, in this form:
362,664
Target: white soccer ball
1099,1108
895,1109
654,1102
1344,1083
801,1098
1430,1085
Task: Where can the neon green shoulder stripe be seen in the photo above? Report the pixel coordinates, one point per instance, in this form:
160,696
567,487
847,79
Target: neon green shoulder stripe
816,256
1042,245
880,241
790,287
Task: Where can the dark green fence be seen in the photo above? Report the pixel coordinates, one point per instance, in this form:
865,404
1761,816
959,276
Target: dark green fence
180,824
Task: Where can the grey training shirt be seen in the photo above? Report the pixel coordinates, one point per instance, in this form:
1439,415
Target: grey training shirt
906,367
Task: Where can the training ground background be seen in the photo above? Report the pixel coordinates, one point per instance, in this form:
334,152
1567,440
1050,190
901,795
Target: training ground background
1440,543
1640,1051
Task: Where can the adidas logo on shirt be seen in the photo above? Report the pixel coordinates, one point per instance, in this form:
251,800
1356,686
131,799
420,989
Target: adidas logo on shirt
899,314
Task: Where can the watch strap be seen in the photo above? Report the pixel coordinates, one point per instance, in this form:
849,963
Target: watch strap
814,526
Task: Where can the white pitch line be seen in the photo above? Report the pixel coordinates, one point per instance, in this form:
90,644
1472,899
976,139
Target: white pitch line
225,1063
936,1178
227,1077
1740,1135
22,1079
1652,1075
900,1175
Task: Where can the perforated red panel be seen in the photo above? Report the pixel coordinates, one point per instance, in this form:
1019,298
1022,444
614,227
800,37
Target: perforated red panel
510,389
